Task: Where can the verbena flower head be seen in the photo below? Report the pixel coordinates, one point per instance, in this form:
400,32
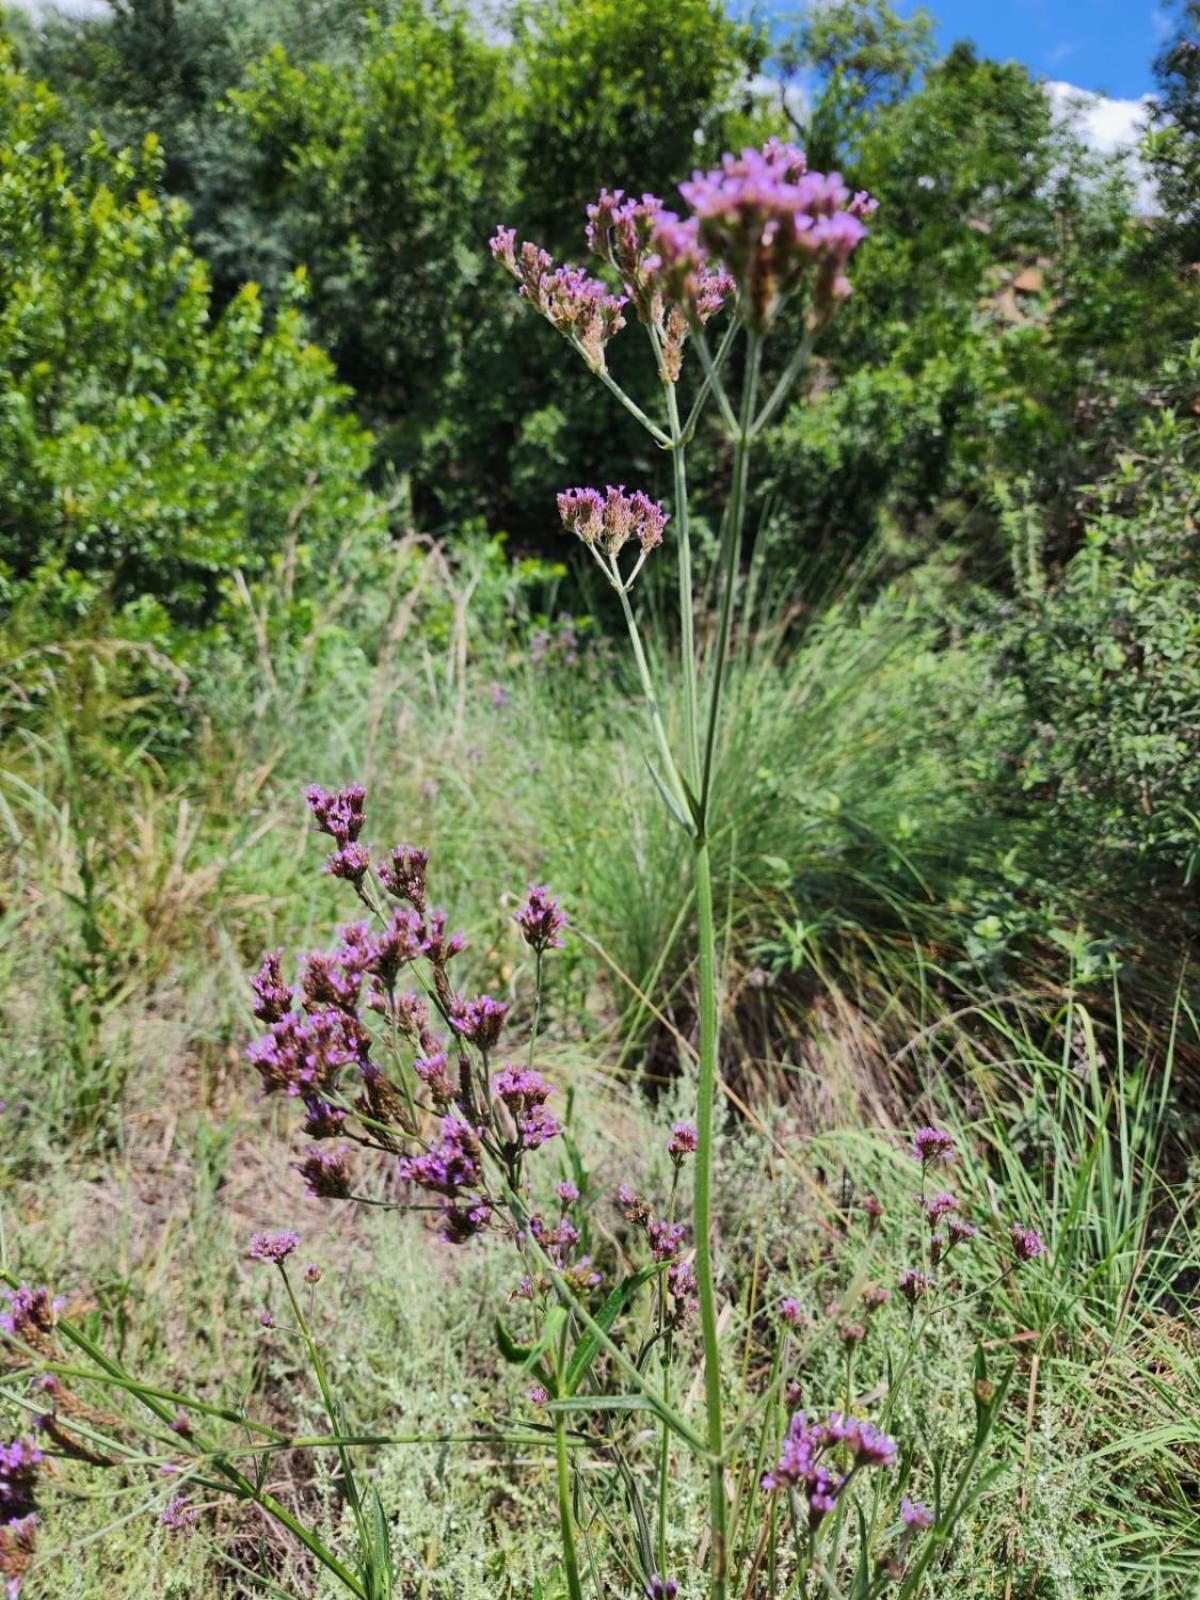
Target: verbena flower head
179,1516
670,290
805,1461
932,1144
480,1020
579,306
960,1232
18,1540
665,1239
305,1056
611,519
541,920
340,813
937,1206
20,1461
524,1094
774,225
450,1165
404,875
789,1310
273,1247
29,1313
913,1284
682,1142
868,1447
326,1173
1027,1243
272,997
915,1514
660,1588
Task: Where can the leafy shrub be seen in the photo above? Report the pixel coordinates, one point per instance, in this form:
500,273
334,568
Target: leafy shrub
150,452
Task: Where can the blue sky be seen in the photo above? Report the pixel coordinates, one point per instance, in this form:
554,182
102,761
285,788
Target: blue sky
1105,46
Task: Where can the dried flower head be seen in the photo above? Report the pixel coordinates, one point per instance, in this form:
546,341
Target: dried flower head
326,1173
272,997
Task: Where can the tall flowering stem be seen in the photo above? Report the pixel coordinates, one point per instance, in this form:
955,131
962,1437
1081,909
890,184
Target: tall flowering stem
763,229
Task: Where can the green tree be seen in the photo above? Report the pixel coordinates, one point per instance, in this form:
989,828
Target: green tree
1173,144
149,451
1004,290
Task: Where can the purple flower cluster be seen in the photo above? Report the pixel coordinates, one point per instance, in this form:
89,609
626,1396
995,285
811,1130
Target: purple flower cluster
340,815
682,1142
18,1538
773,224
304,1056
669,293
524,1095
541,920
30,1314
931,1144
611,519
915,1514
20,1461
579,306
913,1285
273,1247
179,1516
1027,1243
272,997
449,1165
480,1020
404,876
810,1449
936,1206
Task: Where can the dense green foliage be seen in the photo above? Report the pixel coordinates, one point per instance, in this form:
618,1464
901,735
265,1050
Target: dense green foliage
150,450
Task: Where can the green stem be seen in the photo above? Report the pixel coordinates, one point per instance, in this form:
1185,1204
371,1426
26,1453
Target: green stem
687,627
730,551
239,1482
671,775
783,388
652,428
717,362
702,1209
322,1377
566,1516
709,1033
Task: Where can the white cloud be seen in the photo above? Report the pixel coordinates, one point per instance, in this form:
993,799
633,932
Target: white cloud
1107,125
1110,127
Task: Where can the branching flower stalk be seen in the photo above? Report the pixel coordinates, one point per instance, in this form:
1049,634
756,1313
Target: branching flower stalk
762,229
